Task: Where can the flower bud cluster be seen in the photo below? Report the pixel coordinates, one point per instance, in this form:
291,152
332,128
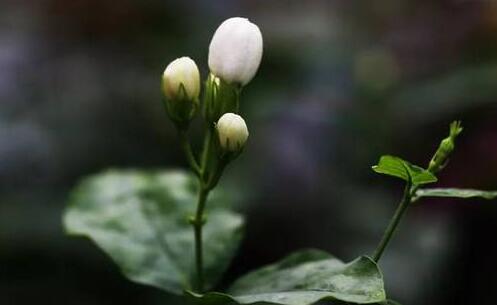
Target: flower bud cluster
235,53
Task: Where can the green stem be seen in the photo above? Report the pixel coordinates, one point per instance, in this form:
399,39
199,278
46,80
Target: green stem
206,151
198,222
187,149
394,222
217,173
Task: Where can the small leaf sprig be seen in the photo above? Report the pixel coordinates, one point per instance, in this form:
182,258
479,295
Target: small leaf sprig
311,276
235,54
416,176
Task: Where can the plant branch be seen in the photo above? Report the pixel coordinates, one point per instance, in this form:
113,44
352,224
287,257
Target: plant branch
198,223
187,149
217,173
199,220
394,222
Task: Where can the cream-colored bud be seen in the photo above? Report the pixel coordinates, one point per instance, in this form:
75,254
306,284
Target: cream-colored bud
232,132
181,72
235,51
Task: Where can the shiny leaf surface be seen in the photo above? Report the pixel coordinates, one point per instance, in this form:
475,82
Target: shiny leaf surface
396,167
304,278
140,220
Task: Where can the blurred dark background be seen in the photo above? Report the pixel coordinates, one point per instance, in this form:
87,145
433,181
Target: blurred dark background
341,83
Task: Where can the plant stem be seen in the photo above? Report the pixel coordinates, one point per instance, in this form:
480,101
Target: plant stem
206,151
198,220
198,223
394,222
217,173
207,180
187,149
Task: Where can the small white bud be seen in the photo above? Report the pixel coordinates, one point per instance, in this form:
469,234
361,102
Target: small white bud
232,132
235,51
181,71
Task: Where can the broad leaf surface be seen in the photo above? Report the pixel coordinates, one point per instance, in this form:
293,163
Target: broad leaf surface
140,220
305,278
455,193
396,167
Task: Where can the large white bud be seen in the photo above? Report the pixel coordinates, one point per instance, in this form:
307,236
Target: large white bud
232,132
235,51
181,72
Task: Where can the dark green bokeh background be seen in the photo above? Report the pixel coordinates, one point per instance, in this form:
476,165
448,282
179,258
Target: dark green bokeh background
341,83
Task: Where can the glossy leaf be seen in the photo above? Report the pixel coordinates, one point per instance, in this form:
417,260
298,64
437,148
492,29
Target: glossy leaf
396,167
455,193
305,278
140,220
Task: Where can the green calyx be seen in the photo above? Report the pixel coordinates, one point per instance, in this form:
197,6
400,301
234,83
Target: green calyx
182,108
220,97
447,145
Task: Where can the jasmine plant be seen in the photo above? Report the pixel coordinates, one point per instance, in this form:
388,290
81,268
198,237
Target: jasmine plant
175,230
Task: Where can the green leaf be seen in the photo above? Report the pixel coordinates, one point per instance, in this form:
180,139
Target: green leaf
455,193
396,167
304,278
139,219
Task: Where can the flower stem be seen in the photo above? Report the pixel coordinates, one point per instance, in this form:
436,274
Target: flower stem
198,222
198,219
187,149
206,151
394,222
205,186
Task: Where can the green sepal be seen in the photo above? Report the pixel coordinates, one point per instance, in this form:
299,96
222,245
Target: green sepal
182,109
397,167
447,145
220,98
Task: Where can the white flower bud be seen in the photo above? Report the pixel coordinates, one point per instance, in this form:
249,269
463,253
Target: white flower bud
235,51
232,132
182,71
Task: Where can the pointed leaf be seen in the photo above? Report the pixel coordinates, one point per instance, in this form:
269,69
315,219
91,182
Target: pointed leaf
455,193
305,278
140,220
396,167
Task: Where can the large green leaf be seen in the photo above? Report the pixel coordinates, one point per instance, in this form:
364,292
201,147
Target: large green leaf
305,278
456,193
139,219
396,167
